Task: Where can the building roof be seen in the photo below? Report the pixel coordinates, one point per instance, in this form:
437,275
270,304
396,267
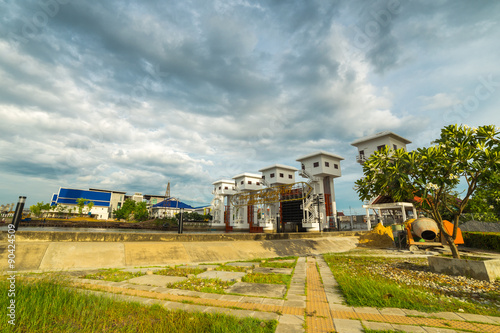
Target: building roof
172,204
149,196
110,191
247,174
319,152
380,135
223,181
281,166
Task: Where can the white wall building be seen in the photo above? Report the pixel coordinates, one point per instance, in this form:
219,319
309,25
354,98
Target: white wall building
274,175
221,213
370,144
321,168
366,147
245,217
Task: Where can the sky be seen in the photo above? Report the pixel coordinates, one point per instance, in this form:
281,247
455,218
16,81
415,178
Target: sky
131,95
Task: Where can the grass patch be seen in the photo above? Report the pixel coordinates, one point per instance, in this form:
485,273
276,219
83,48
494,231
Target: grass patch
362,285
112,274
177,271
48,306
277,264
215,286
233,268
267,278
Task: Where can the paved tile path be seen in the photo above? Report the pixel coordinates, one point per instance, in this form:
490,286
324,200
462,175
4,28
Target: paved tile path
312,304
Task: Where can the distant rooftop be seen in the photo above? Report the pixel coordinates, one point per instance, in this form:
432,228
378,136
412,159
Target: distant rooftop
247,174
380,135
319,152
282,166
101,190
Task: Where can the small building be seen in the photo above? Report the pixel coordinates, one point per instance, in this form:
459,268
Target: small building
321,164
278,174
248,182
244,218
372,143
117,198
321,168
68,198
220,206
169,208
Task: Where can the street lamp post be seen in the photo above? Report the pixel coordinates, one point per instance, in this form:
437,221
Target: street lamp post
18,213
181,222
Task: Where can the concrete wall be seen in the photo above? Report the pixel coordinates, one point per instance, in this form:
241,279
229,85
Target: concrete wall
52,251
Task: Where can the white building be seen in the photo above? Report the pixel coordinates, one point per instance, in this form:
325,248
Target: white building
274,175
320,168
370,144
366,147
244,217
222,190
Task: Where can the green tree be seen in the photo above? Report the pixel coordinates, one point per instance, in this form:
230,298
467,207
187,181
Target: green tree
126,209
428,176
60,209
485,203
90,204
80,202
37,208
141,211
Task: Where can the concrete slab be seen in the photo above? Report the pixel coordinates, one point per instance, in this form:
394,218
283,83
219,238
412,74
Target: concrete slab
476,317
392,311
348,326
372,325
258,289
367,310
284,260
270,270
448,315
60,256
28,255
156,280
439,330
290,323
272,301
222,275
142,270
288,328
409,328
154,253
243,264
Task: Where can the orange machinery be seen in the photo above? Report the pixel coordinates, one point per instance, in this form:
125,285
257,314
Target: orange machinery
424,232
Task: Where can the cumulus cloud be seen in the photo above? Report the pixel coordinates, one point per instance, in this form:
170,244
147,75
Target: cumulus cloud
132,95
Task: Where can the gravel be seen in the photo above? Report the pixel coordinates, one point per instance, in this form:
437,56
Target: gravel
480,226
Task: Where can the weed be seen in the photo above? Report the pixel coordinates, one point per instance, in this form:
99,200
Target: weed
112,274
267,278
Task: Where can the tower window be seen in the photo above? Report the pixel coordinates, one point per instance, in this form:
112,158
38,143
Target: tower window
316,164
282,175
272,175
327,164
336,166
290,177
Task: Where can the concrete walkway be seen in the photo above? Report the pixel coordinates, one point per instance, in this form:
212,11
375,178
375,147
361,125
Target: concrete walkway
313,304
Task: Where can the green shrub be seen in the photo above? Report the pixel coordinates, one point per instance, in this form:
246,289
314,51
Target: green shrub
482,240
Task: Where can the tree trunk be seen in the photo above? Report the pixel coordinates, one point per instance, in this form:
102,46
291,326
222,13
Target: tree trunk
452,245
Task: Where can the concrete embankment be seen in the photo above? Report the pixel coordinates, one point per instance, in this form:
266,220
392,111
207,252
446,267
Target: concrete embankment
46,251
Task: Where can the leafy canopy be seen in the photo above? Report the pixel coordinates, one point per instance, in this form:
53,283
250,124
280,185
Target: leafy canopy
428,176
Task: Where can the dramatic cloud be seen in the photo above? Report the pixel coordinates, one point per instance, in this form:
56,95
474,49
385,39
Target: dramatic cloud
130,95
